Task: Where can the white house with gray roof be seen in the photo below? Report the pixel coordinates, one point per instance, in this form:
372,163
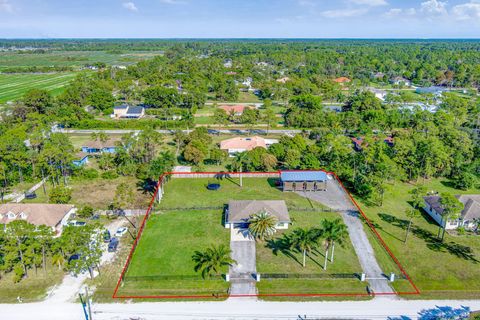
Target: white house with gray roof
468,217
239,212
128,112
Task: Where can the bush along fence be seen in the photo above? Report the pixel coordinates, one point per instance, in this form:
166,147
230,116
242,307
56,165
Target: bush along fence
173,277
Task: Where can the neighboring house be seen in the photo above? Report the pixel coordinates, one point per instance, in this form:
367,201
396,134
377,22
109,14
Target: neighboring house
228,63
98,146
303,180
81,159
238,213
379,94
240,144
359,143
182,169
237,110
128,112
401,81
467,218
51,215
342,80
283,80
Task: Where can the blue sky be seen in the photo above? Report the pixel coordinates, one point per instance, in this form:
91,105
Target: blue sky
237,19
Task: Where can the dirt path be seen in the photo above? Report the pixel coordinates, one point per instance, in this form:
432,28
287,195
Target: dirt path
336,198
71,285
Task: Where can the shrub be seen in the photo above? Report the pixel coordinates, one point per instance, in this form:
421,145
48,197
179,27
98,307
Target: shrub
89,173
60,194
110,175
85,212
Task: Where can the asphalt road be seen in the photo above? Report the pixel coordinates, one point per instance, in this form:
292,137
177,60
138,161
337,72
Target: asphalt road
211,131
234,309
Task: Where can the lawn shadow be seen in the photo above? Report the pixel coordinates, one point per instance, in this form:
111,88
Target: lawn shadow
282,245
433,243
393,221
273,182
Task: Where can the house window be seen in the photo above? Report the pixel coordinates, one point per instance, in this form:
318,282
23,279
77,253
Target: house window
11,215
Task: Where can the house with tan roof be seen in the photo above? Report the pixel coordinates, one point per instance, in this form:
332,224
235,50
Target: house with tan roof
236,110
468,217
239,212
51,215
283,80
242,144
99,146
342,80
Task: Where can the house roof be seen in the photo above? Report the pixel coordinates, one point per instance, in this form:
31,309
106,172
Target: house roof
471,204
342,80
35,213
303,176
120,107
81,155
283,80
234,108
247,143
98,144
242,210
135,110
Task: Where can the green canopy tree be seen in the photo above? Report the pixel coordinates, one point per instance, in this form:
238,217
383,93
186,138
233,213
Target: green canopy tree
451,209
305,241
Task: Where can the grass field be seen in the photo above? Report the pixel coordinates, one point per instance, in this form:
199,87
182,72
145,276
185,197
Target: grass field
32,288
189,218
71,58
441,270
14,86
166,248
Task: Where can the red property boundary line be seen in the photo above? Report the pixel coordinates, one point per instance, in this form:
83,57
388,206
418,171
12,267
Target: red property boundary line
369,223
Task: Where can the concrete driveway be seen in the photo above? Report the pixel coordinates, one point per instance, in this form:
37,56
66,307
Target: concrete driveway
336,198
242,272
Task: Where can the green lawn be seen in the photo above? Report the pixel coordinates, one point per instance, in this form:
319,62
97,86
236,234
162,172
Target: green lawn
288,261
72,58
171,237
441,270
13,86
192,192
166,248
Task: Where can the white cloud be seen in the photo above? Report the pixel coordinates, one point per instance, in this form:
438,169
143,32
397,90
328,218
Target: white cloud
397,12
343,13
130,6
433,8
467,11
6,6
173,1
372,3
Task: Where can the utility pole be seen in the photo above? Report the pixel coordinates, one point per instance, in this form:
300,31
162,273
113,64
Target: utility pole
88,304
83,306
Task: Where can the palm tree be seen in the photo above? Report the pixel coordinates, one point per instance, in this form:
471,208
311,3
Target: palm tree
410,213
239,162
334,231
58,259
304,240
262,225
212,260
451,209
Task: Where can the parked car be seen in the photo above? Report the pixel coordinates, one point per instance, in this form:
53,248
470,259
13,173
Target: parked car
113,244
121,231
76,223
30,195
106,236
75,256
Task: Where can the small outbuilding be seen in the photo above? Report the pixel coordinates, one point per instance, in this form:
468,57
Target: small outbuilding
303,180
